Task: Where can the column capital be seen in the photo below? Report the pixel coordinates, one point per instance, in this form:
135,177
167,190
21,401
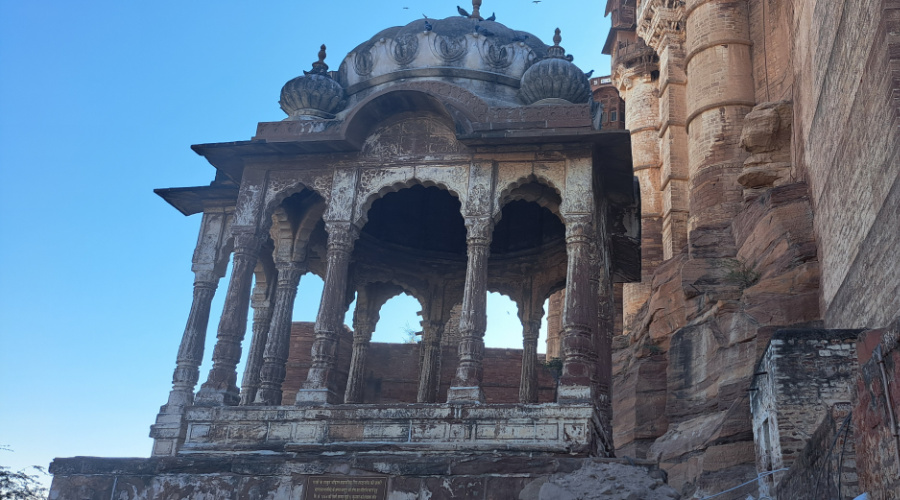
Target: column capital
478,229
579,227
290,272
341,235
247,242
531,330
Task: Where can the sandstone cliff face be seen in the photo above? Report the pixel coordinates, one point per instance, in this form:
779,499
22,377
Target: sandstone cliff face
684,366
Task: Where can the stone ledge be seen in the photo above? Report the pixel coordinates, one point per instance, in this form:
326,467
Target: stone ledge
543,428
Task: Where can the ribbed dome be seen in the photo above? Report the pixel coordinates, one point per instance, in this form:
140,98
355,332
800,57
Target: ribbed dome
315,95
554,77
483,51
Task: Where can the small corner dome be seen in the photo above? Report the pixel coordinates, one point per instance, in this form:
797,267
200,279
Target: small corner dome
313,95
554,78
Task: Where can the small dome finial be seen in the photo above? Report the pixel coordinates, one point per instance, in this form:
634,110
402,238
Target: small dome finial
476,5
319,67
556,50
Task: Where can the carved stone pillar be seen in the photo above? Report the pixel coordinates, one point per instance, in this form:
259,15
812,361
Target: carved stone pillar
275,354
317,388
578,314
261,303
363,326
528,387
190,352
430,376
466,386
554,325
220,387
209,262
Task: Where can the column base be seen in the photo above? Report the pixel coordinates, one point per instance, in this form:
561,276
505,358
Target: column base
465,395
313,397
574,394
208,396
169,431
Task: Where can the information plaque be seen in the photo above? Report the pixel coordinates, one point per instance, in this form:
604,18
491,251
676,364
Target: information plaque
346,488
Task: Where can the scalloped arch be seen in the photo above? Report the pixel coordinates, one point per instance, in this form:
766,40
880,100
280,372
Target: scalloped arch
373,195
277,197
506,195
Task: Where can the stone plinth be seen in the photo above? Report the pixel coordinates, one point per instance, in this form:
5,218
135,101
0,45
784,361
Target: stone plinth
408,476
550,428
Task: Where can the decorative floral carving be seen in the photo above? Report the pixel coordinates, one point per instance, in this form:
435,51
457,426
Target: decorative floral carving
495,55
451,48
405,48
363,62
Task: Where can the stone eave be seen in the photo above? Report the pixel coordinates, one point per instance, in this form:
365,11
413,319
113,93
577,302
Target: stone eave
192,200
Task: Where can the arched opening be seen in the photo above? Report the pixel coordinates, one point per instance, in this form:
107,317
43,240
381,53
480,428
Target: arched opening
417,221
393,374
528,257
399,321
504,328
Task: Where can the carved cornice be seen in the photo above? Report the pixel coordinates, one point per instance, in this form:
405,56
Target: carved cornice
633,61
661,23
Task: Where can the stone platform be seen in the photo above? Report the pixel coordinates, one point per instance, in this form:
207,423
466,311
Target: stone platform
570,429
375,476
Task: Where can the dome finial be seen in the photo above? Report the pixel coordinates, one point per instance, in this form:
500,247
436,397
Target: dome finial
556,50
476,4
319,67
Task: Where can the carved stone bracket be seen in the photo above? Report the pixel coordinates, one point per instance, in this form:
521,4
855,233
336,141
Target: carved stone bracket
661,23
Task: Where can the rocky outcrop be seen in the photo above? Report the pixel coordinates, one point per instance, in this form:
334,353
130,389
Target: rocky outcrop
683,370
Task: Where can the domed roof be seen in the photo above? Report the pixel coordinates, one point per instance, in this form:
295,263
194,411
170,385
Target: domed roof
490,55
555,77
314,95
498,65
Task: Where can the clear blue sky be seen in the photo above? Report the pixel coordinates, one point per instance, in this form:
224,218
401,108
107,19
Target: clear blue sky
99,103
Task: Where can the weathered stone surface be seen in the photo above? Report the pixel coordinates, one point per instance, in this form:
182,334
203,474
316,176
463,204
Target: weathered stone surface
410,476
878,404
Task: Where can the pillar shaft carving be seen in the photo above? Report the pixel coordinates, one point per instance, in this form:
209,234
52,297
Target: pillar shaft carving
277,346
220,387
190,352
578,366
466,386
528,386
317,388
430,376
363,326
262,317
